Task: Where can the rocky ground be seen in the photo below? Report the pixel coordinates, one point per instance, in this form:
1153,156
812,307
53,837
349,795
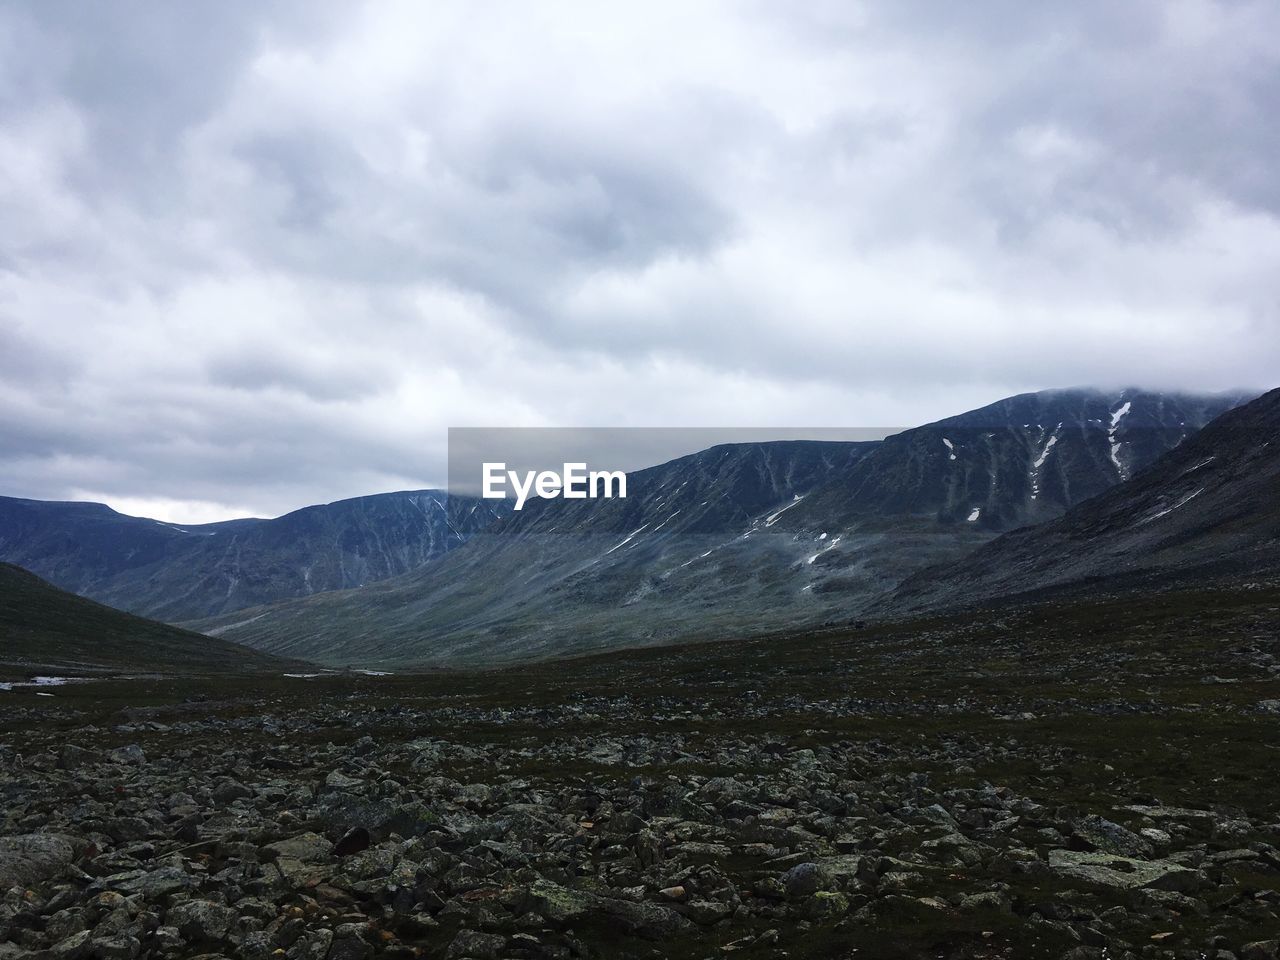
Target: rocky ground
1077,783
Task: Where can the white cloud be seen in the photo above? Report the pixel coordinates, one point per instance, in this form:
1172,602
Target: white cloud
267,258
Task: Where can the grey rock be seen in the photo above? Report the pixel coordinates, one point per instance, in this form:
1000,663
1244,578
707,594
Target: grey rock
558,904
705,912
73,947
473,945
1123,873
805,879
201,919
29,858
115,948
129,754
155,884
257,945
314,945
648,920
1108,837
348,945
342,812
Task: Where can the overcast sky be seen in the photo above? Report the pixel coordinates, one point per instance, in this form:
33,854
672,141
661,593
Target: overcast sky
255,256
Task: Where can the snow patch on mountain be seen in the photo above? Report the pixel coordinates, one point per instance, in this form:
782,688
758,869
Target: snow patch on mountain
1181,503
1118,415
1039,462
773,517
826,548
627,539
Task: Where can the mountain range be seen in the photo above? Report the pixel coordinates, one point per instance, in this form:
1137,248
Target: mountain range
177,572
737,538
744,537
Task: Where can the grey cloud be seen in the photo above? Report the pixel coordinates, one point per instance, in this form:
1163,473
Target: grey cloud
265,254
305,171
326,381
27,363
1164,100
141,75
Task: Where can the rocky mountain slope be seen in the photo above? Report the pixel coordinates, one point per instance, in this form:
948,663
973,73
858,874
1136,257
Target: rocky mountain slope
42,627
521,582
739,537
179,572
1019,461
1207,508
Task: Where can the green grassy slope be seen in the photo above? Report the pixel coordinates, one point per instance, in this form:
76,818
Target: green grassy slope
42,626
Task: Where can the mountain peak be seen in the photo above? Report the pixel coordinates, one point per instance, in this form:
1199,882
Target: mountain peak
1207,506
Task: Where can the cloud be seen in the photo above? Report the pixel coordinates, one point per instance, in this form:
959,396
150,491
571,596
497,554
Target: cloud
262,255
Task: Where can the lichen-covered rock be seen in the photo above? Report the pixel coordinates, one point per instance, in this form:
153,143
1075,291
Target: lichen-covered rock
201,920
1123,873
29,858
806,878
473,945
1105,836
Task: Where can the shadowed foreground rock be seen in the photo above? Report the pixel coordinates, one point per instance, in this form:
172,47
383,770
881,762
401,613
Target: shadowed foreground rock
889,795
241,851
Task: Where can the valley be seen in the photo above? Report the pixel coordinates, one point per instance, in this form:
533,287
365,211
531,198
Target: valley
686,481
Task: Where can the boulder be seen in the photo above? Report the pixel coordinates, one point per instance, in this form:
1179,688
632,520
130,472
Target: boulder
1098,833
805,879
1123,873
130,754
201,919
472,945
30,858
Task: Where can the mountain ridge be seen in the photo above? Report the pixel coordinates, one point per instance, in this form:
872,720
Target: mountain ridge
673,562
1206,507
183,571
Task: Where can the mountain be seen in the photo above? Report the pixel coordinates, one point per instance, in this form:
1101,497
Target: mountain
44,627
738,537
939,491
1207,509
178,572
539,581
1019,461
